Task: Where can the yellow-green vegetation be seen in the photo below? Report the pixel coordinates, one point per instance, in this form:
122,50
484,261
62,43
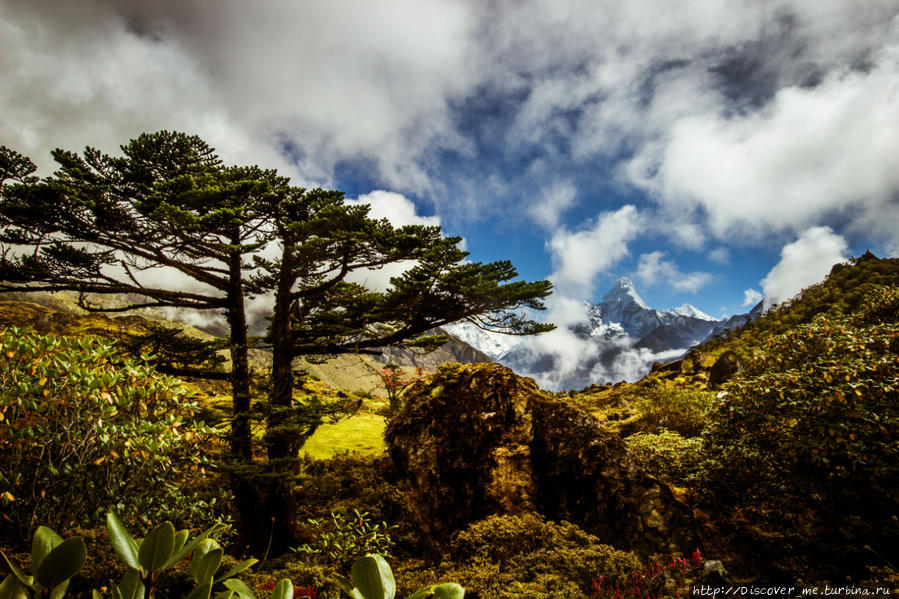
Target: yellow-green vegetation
805,443
82,429
509,557
361,433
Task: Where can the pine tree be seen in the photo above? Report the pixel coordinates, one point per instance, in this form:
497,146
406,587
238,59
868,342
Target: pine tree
107,225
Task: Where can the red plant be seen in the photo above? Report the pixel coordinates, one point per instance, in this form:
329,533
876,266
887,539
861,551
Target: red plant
646,583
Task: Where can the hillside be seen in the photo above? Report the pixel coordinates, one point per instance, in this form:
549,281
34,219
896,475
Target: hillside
764,423
773,448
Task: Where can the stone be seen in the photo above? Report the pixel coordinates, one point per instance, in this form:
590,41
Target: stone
476,440
727,365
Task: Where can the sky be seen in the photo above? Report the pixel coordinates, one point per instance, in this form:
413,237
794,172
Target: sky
716,152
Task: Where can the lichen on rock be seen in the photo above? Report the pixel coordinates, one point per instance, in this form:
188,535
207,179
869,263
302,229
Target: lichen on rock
476,440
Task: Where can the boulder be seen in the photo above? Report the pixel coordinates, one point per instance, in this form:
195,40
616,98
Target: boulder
727,365
475,440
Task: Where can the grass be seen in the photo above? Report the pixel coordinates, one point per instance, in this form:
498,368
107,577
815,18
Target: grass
362,434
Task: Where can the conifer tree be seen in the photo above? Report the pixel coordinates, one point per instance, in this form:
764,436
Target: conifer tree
107,225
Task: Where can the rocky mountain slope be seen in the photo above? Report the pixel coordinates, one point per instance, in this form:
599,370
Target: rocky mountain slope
620,338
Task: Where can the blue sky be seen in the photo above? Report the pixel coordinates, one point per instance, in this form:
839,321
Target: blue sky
711,151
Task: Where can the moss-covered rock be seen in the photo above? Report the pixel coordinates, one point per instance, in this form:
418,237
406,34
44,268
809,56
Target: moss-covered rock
477,440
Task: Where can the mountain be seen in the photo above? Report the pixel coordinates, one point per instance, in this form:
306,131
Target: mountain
618,338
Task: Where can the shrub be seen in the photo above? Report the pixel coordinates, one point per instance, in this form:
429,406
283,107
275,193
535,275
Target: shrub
805,446
506,557
81,430
344,539
677,409
667,455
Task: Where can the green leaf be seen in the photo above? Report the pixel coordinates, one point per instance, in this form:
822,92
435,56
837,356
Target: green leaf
225,595
202,591
157,548
62,563
447,590
122,542
203,568
43,542
11,588
239,587
59,591
237,569
373,577
181,539
131,587
347,586
283,590
23,578
95,594
187,549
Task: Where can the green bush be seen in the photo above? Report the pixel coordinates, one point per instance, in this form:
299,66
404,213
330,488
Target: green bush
81,430
506,557
343,539
667,455
677,409
805,445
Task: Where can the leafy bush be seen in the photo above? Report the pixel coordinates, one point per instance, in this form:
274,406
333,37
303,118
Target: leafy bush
506,557
667,455
805,446
344,539
351,483
81,430
683,410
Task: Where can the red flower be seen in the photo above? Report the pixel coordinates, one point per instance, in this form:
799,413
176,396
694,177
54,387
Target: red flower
696,557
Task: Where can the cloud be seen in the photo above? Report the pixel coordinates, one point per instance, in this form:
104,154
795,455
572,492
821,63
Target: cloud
294,86
395,207
804,262
808,154
751,297
720,255
653,270
554,199
579,256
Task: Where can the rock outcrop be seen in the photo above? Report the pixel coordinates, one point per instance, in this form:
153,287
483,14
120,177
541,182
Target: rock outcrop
477,440
727,365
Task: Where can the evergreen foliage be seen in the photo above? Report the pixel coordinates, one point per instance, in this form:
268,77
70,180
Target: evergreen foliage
805,444
81,429
104,224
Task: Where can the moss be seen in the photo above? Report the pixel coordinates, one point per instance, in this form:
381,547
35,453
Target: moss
513,556
361,434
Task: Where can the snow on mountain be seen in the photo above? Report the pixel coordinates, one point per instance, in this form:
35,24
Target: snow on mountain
620,338
692,311
494,345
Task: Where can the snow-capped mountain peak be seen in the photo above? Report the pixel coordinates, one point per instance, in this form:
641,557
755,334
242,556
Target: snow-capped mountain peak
623,293
691,311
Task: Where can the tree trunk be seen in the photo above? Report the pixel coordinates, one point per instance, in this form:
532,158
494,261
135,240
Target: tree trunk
241,438
276,490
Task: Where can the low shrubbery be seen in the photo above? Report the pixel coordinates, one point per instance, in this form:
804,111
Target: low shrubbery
82,429
805,445
682,410
509,557
667,455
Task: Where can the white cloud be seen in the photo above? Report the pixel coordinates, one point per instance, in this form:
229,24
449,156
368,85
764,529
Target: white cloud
653,270
751,297
720,255
579,256
804,262
809,153
553,201
395,207
323,82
